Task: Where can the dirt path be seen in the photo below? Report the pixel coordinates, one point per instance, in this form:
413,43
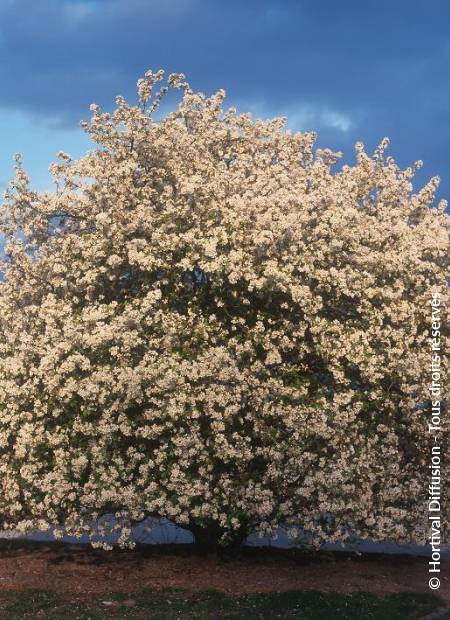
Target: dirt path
82,571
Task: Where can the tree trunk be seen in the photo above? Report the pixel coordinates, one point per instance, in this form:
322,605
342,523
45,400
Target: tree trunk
207,538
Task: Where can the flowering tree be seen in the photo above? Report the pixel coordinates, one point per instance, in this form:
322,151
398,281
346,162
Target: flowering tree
206,322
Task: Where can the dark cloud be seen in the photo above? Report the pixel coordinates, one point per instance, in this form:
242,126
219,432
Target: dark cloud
353,70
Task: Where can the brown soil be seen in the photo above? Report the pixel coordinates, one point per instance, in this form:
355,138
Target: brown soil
82,571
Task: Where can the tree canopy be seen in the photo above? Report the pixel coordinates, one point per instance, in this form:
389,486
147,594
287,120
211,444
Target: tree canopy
208,320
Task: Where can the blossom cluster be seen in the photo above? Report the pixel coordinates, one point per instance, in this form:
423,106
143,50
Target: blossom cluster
208,320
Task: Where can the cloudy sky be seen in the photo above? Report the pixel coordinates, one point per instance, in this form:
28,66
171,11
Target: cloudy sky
348,70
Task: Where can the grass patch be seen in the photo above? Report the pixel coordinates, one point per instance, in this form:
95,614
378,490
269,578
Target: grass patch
213,605
30,604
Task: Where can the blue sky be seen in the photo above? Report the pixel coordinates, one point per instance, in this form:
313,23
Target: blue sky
348,70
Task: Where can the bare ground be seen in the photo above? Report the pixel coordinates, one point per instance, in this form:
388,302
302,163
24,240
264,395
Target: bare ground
81,571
